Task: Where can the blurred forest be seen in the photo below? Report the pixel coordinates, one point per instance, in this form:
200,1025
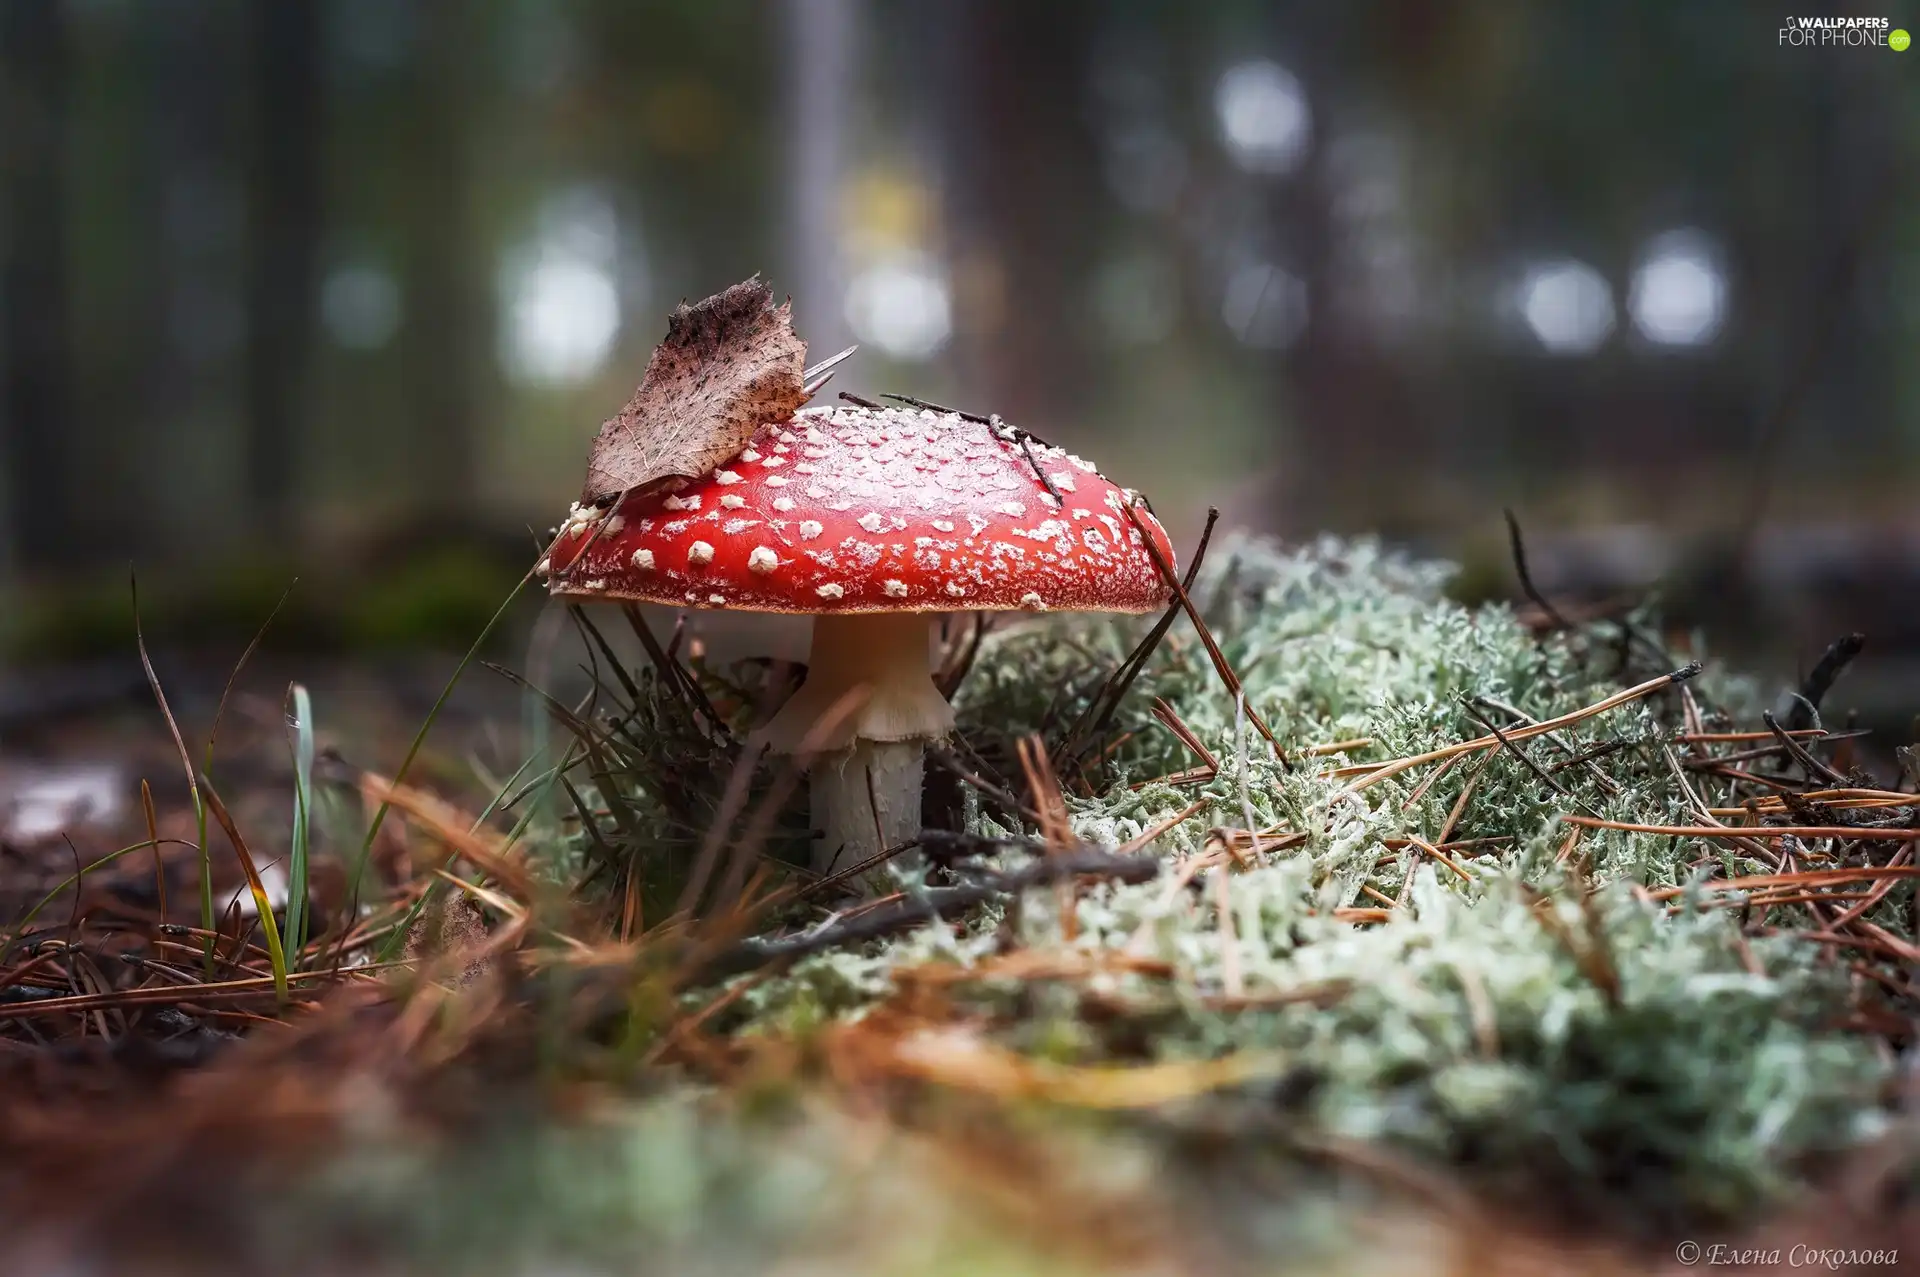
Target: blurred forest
343,287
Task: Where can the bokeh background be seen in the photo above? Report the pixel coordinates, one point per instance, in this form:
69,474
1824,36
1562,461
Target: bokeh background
342,288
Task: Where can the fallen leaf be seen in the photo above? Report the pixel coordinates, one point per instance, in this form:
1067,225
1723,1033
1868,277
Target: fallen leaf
729,364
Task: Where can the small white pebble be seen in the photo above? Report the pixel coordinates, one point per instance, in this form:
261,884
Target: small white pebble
718,600
598,583
732,501
771,462
956,589
749,455
943,525
1033,602
699,552
1013,508
896,589
681,503
762,560
783,504
872,521
776,481
725,477
809,529
829,591
643,559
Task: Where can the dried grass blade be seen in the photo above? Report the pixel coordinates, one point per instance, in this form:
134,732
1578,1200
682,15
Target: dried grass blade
186,763
153,837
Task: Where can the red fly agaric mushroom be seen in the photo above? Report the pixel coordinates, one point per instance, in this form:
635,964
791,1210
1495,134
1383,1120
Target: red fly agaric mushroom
871,520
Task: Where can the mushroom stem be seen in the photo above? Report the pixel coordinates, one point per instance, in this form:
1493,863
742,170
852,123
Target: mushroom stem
865,713
856,822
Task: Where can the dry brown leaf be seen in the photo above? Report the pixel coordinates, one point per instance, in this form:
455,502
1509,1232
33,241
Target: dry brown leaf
729,364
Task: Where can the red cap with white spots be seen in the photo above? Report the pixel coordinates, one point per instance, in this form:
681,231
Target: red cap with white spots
849,510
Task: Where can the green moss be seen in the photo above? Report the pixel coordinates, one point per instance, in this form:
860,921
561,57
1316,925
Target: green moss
436,598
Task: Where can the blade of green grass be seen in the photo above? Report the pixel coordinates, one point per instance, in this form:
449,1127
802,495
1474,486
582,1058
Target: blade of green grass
536,727
399,937
262,906
206,766
302,720
420,737
413,750
494,804
186,759
500,792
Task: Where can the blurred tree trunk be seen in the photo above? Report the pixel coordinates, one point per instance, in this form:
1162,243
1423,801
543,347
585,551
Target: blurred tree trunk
286,226
180,149
1351,414
1021,186
821,44
36,61
446,303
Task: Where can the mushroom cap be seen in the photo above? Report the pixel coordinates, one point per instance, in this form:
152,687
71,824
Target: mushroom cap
849,509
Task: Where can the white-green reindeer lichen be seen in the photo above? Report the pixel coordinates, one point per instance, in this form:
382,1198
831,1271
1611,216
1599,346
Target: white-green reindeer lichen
1464,1026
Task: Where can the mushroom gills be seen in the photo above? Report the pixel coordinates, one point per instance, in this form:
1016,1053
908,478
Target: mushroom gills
869,677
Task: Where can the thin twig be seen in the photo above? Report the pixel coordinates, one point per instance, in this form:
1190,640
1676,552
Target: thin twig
1539,772
1815,769
1220,664
1106,701
1752,831
1820,680
1519,548
1638,690
934,902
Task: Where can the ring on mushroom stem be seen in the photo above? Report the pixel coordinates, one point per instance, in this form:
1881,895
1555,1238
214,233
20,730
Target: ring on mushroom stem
875,521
